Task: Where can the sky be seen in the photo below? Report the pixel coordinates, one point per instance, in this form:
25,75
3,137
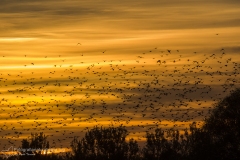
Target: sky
69,65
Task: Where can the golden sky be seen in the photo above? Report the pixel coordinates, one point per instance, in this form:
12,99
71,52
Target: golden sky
70,64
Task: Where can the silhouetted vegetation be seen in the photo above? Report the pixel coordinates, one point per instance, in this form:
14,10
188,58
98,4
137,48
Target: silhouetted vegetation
217,139
105,143
40,142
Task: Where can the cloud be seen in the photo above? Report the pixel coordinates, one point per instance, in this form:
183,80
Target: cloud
124,14
232,49
125,29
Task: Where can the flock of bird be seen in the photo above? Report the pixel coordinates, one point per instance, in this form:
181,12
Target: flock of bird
158,88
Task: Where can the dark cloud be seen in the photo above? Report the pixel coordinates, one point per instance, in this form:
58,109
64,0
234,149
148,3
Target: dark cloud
232,49
125,14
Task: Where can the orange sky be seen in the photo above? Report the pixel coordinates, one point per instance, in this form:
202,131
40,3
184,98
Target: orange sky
51,83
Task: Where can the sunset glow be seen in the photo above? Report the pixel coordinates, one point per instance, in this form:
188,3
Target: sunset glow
67,66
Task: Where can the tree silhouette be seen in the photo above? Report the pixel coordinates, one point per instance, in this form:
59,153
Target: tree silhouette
223,127
219,138
133,150
105,143
163,145
37,142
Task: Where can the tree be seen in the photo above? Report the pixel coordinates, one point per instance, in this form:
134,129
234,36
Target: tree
38,142
163,145
223,126
219,138
105,143
133,150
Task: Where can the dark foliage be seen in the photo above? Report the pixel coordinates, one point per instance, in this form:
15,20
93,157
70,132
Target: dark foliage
105,143
219,138
159,147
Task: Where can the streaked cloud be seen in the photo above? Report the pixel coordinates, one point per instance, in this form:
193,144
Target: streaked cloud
147,63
